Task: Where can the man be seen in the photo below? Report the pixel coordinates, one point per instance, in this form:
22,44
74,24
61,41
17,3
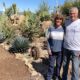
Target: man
72,44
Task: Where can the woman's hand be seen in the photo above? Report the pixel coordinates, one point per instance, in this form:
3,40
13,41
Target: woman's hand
49,52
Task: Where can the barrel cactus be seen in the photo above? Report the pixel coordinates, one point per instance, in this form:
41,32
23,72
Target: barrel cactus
2,37
20,44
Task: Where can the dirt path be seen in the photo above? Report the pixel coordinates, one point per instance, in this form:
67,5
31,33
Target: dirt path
12,69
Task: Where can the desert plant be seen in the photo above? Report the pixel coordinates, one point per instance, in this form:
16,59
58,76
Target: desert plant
6,30
65,8
2,37
14,8
30,27
45,18
20,44
11,10
43,11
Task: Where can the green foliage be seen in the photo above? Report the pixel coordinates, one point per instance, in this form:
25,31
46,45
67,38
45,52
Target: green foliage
11,10
14,8
20,43
77,4
30,27
65,8
8,12
45,18
8,31
5,27
27,13
3,19
43,10
2,37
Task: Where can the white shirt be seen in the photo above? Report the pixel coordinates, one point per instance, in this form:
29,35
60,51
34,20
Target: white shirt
72,35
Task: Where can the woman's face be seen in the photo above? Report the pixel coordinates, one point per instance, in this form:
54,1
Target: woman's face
58,22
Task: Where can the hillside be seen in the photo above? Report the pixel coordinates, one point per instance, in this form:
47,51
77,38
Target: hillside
12,69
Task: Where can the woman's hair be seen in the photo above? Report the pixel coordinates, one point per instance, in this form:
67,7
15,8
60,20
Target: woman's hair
58,17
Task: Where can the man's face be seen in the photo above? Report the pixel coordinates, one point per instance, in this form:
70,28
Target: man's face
73,15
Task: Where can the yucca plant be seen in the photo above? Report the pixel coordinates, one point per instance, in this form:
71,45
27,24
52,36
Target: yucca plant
31,29
20,44
6,30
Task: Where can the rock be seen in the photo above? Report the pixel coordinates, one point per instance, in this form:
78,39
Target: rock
27,63
34,73
5,46
38,61
37,76
30,66
19,56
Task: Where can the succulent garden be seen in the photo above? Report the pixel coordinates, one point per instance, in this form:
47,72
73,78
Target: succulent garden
21,29
24,31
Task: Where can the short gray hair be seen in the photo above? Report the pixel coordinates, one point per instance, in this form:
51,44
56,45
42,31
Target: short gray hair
74,8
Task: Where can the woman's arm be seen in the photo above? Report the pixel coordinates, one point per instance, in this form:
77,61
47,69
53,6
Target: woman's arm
48,48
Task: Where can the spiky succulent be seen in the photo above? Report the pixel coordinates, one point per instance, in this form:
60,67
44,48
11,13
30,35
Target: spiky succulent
2,37
20,44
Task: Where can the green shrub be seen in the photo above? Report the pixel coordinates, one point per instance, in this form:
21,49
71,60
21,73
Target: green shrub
6,29
2,37
45,18
30,27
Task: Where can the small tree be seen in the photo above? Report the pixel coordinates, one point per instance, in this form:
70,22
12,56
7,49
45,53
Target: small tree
31,25
65,8
43,11
77,4
67,5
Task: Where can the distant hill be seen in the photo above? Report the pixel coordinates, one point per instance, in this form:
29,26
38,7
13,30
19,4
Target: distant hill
1,12
20,13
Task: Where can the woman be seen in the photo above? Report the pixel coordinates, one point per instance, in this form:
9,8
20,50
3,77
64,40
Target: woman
55,40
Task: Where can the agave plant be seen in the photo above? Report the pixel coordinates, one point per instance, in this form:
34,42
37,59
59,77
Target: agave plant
20,44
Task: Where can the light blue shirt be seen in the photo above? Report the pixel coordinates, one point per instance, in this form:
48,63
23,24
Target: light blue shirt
55,38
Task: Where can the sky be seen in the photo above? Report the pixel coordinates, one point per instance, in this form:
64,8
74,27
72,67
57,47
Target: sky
29,4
